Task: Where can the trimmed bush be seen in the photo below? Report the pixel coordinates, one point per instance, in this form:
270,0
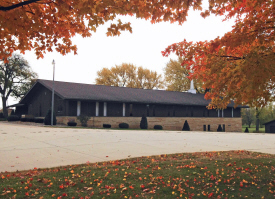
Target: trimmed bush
71,123
219,128
12,112
246,130
143,123
13,118
123,125
38,120
47,120
186,126
23,119
106,125
83,120
158,127
30,119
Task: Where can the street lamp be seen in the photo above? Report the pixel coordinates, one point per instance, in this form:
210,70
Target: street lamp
53,63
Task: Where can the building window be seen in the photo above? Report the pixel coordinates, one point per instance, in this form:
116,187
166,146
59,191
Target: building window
131,110
40,110
191,111
154,110
148,109
59,109
174,111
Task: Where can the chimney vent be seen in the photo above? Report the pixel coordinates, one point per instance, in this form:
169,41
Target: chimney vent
192,90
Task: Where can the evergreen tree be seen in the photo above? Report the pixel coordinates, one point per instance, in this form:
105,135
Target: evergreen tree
47,120
143,123
219,128
186,126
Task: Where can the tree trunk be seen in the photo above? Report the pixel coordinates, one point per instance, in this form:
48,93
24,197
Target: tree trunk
257,120
4,105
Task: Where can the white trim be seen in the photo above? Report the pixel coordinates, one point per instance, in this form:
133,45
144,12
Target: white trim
232,112
222,112
78,112
218,112
96,108
105,109
192,90
123,109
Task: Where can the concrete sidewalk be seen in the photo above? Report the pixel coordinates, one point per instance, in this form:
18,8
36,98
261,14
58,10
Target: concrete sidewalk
24,147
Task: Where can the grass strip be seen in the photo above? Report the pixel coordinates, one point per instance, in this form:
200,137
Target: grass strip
228,174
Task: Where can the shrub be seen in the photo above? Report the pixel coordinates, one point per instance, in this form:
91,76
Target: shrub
13,118
47,120
12,112
30,119
83,120
219,128
71,123
23,119
143,123
123,125
158,127
38,120
2,115
186,126
246,130
106,125
27,118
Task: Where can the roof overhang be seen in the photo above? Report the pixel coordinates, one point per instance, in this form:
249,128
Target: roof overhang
16,105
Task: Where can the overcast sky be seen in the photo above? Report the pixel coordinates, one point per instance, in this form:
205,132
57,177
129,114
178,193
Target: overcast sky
142,48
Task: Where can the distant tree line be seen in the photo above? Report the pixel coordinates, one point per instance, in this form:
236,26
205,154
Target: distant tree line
265,114
176,77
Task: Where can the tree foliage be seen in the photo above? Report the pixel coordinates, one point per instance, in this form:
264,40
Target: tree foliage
240,65
128,75
16,78
176,77
47,25
248,116
265,114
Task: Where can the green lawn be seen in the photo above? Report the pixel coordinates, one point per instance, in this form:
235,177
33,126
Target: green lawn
233,174
252,129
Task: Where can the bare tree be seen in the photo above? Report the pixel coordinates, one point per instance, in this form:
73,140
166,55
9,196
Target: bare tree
16,77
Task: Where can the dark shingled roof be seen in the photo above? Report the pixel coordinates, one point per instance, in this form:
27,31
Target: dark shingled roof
77,91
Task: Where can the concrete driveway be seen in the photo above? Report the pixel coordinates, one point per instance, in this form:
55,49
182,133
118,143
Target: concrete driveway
24,147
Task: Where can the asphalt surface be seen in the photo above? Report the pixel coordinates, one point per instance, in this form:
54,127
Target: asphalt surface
24,147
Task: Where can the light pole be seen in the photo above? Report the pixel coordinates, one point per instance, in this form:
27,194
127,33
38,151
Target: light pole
53,63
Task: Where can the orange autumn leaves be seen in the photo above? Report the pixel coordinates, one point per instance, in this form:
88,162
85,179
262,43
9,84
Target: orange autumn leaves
240,65
47,25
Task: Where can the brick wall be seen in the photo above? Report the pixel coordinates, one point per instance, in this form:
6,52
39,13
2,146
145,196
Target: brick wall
168,123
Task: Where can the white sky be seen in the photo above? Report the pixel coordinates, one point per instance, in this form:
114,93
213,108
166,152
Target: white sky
142,48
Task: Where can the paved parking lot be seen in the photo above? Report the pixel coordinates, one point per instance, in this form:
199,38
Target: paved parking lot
24,147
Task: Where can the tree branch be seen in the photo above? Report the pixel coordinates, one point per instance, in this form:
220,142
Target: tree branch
17,5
